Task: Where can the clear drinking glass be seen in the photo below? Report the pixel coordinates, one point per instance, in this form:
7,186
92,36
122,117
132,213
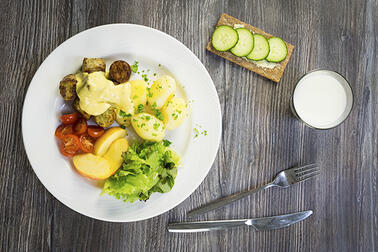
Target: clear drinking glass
322,99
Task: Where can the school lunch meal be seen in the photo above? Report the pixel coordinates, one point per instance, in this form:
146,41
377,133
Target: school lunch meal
102,98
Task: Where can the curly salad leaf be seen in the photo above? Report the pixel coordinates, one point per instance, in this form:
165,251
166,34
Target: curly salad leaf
147,168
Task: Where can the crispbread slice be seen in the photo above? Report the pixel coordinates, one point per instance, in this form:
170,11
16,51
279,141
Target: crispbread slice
274,74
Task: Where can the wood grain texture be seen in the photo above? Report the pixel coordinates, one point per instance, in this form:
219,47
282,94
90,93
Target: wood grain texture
260,136
273,74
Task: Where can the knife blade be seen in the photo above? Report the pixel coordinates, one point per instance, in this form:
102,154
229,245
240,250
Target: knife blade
265,223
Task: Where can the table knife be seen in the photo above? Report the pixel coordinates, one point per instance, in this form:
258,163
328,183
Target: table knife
260,224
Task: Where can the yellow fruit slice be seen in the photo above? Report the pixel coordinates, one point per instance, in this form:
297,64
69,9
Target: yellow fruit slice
103,143
114,154
92,166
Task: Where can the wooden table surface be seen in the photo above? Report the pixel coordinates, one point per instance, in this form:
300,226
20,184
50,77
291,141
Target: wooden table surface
260,136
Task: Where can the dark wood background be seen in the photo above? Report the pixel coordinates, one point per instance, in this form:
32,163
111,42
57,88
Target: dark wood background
260,136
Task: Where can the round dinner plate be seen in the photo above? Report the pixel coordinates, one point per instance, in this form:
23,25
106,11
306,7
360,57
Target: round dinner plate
197,140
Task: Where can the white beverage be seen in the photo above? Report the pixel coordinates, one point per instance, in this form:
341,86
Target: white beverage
322,99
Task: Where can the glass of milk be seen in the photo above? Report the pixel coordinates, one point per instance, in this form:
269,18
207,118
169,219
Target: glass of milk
322,99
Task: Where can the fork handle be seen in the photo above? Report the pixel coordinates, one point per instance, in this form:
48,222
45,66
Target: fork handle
226,200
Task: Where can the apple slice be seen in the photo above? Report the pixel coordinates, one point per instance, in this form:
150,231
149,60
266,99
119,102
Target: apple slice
114,154
103,143
91,166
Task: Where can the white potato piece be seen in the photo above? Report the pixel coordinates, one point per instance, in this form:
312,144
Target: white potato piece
138,92
174,113
148,127
161,91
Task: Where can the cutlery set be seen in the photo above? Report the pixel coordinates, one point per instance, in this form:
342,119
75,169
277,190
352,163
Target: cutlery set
284,179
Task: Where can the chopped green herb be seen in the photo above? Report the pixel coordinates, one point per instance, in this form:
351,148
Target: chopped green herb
159,65
140,108
156,126
196,132
147,118
135,97
153,134
154,74
123,126
134,67
166,143
158,115
142,125
122,113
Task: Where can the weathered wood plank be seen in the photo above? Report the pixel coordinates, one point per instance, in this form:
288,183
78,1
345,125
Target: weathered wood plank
260,136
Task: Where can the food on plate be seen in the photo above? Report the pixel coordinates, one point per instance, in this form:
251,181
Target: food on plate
95,131
69,118
76,105
62,130
161,91
174,113
139,93
119,71
245,43
147,168
67,87
86,143
261,49
148,127
107,118
103,143
99,153
91,65
70,145
92,166
114,154
97,94
80,126
252,48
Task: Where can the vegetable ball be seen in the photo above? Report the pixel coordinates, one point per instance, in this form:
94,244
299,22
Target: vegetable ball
119,71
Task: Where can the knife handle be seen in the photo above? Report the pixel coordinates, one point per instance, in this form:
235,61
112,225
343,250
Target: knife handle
204,226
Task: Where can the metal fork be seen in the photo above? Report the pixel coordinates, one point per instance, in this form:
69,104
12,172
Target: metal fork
283,179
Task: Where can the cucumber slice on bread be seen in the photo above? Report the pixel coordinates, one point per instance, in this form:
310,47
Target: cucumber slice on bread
224,38
261,49
278,50
245,43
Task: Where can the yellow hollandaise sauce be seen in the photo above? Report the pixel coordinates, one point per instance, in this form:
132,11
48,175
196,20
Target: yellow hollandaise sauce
97,93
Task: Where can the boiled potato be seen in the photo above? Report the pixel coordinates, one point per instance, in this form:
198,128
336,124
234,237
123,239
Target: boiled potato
161,90
148,127
114,154
103,143
138,92
174,113
91,166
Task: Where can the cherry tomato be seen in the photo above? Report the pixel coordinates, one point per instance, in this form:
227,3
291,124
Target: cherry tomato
80,126
70,145
70,118
95,131
87,143
63,130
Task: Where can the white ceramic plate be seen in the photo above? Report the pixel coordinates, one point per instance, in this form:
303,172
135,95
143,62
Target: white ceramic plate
43,107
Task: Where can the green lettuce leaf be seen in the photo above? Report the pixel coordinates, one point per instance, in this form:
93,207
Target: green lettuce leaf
148,167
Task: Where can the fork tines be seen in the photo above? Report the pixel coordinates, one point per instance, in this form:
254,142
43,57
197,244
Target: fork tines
307,171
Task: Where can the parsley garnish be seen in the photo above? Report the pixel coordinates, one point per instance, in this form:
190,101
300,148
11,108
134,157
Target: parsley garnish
140,108
134,67
166,143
